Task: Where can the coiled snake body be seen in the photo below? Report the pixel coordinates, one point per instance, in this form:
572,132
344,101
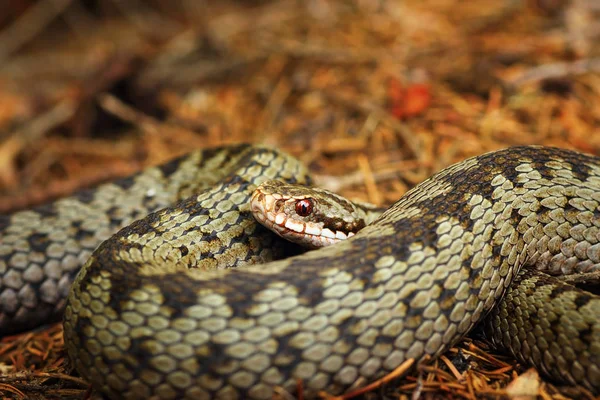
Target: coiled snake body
157,312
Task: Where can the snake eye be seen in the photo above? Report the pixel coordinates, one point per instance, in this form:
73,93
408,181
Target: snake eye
304,207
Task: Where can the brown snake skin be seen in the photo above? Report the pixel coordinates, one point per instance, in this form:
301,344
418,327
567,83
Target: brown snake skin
156,312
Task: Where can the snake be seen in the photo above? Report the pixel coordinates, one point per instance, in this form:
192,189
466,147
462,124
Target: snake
192,297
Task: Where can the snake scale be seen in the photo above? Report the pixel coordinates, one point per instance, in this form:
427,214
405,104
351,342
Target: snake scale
157,312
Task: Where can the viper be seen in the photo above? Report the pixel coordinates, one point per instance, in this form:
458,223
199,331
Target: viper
191,297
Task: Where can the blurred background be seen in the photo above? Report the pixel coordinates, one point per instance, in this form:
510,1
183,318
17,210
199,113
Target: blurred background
373,95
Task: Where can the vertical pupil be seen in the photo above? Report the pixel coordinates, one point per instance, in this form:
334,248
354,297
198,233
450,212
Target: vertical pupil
304,207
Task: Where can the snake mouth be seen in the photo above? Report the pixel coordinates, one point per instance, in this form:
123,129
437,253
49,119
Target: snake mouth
311,235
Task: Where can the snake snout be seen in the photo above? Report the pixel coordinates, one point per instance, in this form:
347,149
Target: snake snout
257,206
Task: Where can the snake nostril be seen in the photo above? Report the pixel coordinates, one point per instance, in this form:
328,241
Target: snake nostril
279,205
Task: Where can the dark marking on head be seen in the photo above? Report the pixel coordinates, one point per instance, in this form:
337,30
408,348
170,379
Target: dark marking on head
582,300
557,290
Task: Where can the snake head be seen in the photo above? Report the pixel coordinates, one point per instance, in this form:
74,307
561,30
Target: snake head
310,217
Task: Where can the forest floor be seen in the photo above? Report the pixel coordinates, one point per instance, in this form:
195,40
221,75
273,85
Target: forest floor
374,96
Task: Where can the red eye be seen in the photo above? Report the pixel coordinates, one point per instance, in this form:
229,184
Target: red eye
304,207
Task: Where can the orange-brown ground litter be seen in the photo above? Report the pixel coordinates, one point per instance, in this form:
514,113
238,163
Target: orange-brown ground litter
374,96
